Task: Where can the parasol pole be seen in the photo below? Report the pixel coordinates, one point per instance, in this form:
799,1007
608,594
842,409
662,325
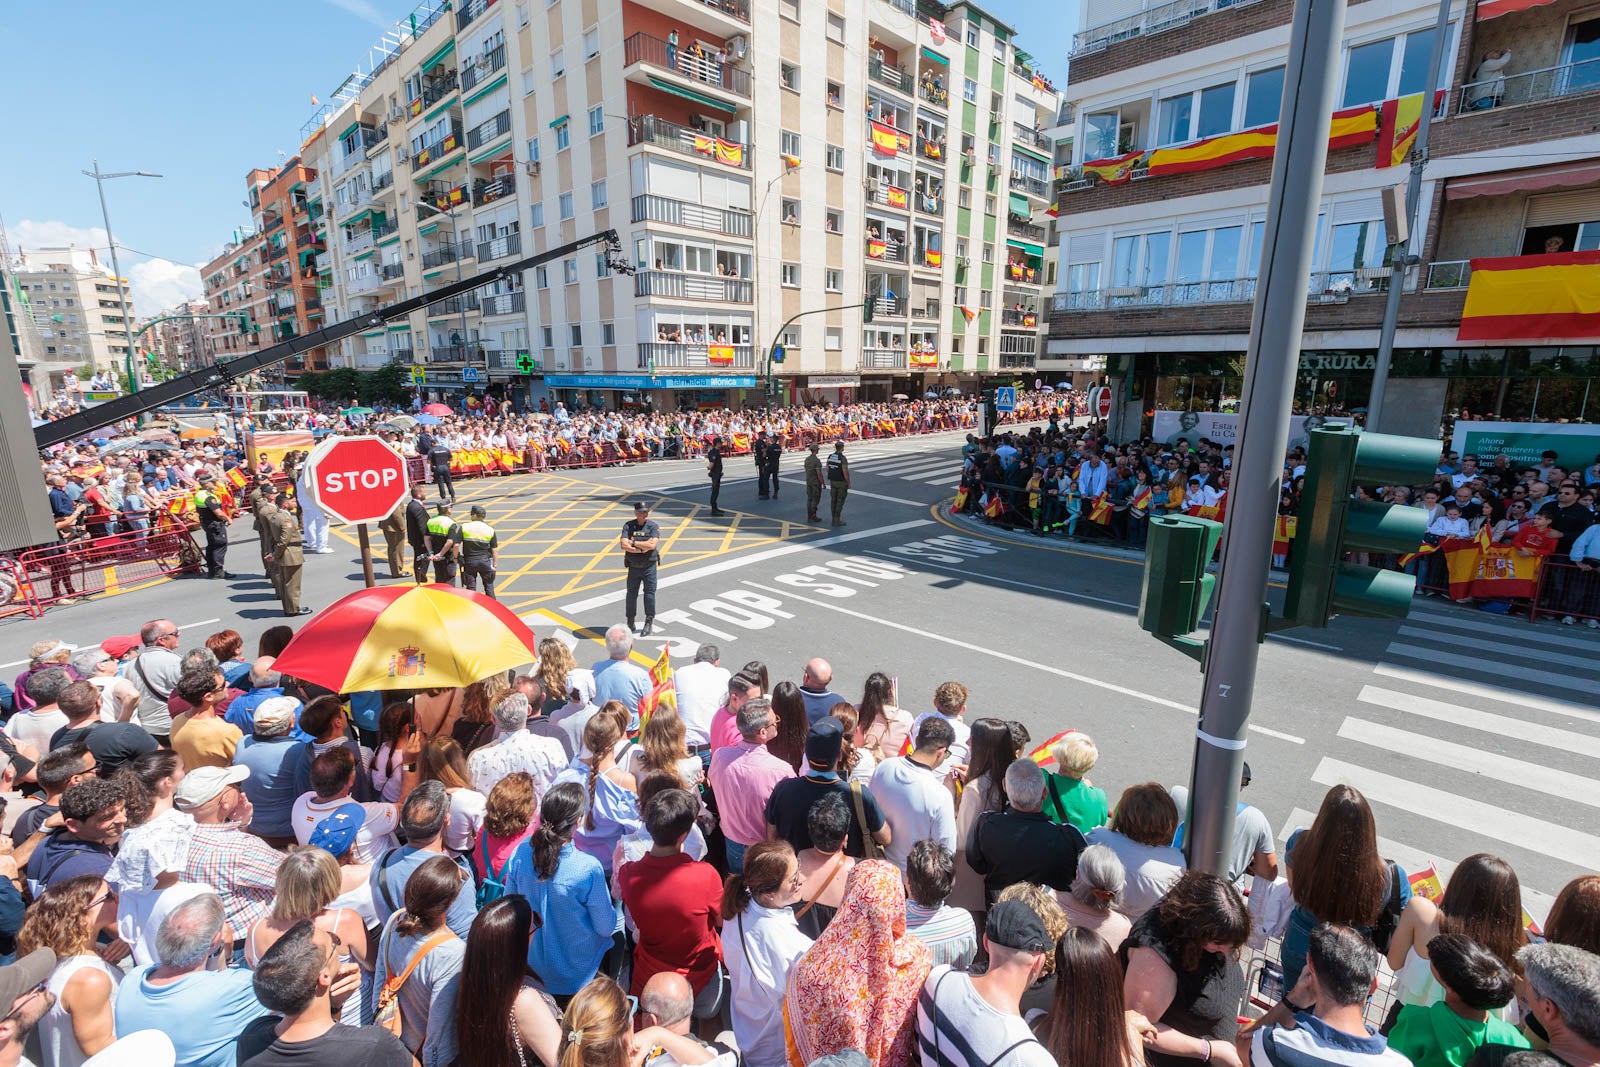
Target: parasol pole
366,555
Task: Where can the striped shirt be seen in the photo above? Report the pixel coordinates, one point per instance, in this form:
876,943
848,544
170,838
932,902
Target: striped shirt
958,1028
948,931
1313,1043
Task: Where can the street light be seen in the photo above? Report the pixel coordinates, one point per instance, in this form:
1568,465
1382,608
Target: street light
755,267
122,292
456,230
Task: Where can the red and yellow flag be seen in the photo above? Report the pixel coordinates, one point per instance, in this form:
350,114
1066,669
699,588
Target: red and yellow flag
969,311
729,153
1352,126
662,692
1215,151
1283,533
876,248
1530,298
1100,510
1114,170
933,257
885,139
895,197
1397,130
960,502
741,442
705,145
924,359
720,355
1141,502
236,477
995,507
1041,753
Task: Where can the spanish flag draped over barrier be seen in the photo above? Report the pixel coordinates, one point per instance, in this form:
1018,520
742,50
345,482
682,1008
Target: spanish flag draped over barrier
994,507
1215,151
725,152
1530,298
662,692
741,442
885,139
1282,534
1480,569
876,248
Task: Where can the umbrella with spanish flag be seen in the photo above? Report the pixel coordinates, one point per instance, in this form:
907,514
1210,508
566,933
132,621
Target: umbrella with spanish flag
407,637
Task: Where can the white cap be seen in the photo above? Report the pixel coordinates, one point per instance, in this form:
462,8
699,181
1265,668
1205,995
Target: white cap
203,784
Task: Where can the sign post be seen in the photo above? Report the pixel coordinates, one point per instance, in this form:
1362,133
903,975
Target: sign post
357,480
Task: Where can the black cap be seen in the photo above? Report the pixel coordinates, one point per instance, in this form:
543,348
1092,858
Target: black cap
1245,775
1013,924
640,505
823,745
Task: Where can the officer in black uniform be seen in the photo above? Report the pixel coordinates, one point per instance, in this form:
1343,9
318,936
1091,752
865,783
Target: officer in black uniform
758,449
417,531
640,554
714,471
213,515
438,454
774,456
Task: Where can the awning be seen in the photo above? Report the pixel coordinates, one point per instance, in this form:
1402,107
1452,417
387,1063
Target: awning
1021,206
438,57
484,91
1031,154
1031,249
562,121
1530,180
689,94
1493,9
928,53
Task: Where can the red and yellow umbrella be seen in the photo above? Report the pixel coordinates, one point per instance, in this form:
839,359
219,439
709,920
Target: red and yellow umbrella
407,637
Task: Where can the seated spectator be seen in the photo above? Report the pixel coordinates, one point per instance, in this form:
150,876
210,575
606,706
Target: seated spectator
115,744
947,931
154,850
1091,902
422,824
1069,799
515,748
1140,833
1340,974
744,775
1448,1032
1482,899
94,815
294,979
914,799
57,772
272,756
201,736
496,1019
1087,1025
507,821
417,941
188,985
789,806
67,919
333,776
763,948
1020,844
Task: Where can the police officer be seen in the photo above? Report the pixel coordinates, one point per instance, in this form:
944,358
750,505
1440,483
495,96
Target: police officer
480,550
417,531
288,555
208,504
774,456
444,544
838,481
813,484
264,497
758,449
714,471
640,540
438,454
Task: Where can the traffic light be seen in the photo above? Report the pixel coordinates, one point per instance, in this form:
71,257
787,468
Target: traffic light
1176,586
866,310
1331,524
777,353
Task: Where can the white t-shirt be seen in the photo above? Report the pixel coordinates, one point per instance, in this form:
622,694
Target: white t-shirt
30,727
916,804
701,689
969,1032
372,840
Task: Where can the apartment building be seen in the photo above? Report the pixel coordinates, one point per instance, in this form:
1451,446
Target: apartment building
75,306
236,291
1161,220
759,162
288,212
178,336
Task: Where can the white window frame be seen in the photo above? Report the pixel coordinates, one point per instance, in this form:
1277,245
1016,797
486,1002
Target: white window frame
597,194
564,206
597,120
789,275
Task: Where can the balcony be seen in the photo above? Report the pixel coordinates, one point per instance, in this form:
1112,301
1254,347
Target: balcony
452,353
1018,360
485,191
512,303
893,77
275,253
1452,274
380,230
446,254
483,68
1028,231
932,310
1030,185
469,11
648,129
508,245
382,181
1530,87
1022,273
647,207
685,62
489,130
883,358
938,96
453,305
1030,136
887,251
324,263
359,241
371,139
271,222
1152,20
364,284
888,306
1025,318
670,354
929,205
928,258
438,150
434,91
392,271
1323,287
686,286
722,17
890,196
932,147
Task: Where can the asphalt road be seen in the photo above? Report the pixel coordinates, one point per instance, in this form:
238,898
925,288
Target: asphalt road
1467,732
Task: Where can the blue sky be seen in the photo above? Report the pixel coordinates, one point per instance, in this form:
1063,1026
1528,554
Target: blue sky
201,93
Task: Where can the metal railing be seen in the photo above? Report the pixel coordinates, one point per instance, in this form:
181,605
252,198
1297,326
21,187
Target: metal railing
454,353
648,207
508,245
933,94
1032,231
689,62
383,229
893,77
488,130
1153,20
888,305
512,303
324,263
883,357
273,221
470,10
1322,287
928,205
475,70
648,129
695,354
274,253
1449,274
1026,318
441,147
435,90
453,305
887,196
1030,136
1529,87
930,309
692,286
932,147
382,182
1030,185
390,271
448,253
886,251
376,137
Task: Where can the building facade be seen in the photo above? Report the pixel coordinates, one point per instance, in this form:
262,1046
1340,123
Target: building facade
179,336
237,293
1161,216
73,299
759,162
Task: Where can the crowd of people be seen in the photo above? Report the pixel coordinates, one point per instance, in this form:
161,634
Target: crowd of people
209,863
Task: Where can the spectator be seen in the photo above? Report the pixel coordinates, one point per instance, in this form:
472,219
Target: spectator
44,717
611,805
757,902
271,756
915,802
618,678
1340,974
789,705
118,697
1575,916
507,822
395,723
1087,1025
555,665
884,727
1182,971
599,1033
857,986
423,818
947,931
226,645
1037,998
59,771
443,761
700,688
539,708
580,707
790,803
515,748
115,744
815,678
744,776
638,844
855,762
994,748
950,704
155,672
1448,1032
1091,902
824,868
49,654
264,684
295,979
420,950
308,884
1069,798
1253,852
497,1019
67,919
333,776
1140,833
567,889
188,984
1482,900
328,724
80,703
967,1021
724,724
94,815
663,746
1561,993
667,1002
1020,844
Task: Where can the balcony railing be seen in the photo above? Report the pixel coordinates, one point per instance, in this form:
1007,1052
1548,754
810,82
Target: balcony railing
928,205
648,207
275,253
474,71
1026,318
324,263
648,129
888,251
1020,273
933,94
894,306
1452,274
1018,360
931,309
883,357
1323,287
470,10
1030,185
660,354
433,92
359,241
446,254
271,222
391,271
691,286
375,138
1152,20
512,303
691,63
453,305
488,130
932,147
382,182
487,192
499,248
1030,136
1027,230
454,353
380,230
438,149
1530,86
890,196
893,77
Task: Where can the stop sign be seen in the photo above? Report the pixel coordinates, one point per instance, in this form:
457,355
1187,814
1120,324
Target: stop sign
356,479
1102,404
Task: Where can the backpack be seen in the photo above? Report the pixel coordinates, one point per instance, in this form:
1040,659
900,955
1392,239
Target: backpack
493,885
387,1015
1389,917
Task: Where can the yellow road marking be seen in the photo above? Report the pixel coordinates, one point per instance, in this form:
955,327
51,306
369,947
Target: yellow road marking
586,633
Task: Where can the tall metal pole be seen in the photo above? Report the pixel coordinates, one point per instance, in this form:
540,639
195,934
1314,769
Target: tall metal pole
1275,335
122,290
1402,259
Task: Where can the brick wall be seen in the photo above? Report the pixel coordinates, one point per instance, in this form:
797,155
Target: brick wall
1427,309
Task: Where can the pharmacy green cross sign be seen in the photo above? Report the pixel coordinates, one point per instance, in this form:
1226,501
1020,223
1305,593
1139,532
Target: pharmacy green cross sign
526,363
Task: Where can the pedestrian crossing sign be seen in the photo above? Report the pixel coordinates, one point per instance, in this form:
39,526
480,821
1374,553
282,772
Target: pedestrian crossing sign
1005,398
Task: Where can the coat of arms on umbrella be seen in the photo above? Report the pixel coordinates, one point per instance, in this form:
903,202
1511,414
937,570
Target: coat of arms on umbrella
408,663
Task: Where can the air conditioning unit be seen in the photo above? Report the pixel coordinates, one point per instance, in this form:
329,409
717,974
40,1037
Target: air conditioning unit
738,46
870,184
402,155
532,167
964,261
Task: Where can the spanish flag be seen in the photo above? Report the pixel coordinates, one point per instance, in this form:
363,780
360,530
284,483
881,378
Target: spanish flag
876,248
730,153
1283,533
662,693
1041,753
741,442
895,197
236,477
1215,151
1352,126
1100,510
791,161
885,139
1115,170
995,507
1141,502
720,355
705,145
924,359
969,311
1530,298
1029,319
933,257
960,504
1397,131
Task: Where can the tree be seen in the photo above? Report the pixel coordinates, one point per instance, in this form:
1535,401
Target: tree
337,385
390,384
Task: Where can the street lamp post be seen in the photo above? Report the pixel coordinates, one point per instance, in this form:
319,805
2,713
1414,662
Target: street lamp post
122,291
455,229
755,276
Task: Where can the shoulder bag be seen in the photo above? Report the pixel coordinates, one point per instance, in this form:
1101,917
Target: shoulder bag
388,1012
869,847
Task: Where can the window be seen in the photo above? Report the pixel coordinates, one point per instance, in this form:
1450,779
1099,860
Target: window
1190,116
834,222
569,271
791,337
955,346
964,197
597,120
1395,66
548,334
533,149
522,15
988,253
789,143
575,330
789,75
1101,135
961,295
833,280
791,210
833,339
791,9
558,63
972,34
602,266
537,211
835,159
608,333
541,278
597,193
564,203
1140,261
790,275
835,95
563,137
591,43
1263,94
1352,246
835,27
999,48
988,205
961,248
969,90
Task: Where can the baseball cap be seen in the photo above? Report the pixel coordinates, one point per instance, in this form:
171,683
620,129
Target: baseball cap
203,784
120,645
580,680
17,978
1013,924
640,505
150,1048
116,743
823,744
337,831
276,712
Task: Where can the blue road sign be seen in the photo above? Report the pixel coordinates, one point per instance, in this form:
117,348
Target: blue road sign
469,374
1005,398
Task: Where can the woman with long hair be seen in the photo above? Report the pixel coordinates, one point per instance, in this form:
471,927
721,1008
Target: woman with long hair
760,945
417,933
857,987
884,727
599,1032
308,883
856,764
395,723
68,918
790,708
993,749
443,761
757,671
1096,890
555,663
1482,900
1088,1024
498,1019
1140,833
475,728
611,808
567,889
664,746
1575,916
508,818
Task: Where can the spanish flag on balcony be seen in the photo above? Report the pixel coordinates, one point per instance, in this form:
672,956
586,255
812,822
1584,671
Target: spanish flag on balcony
720,355
1015,269
1215,151
1353,126
729,153
705,145
1398,123
933,257
885,139
895,197
876,248
1029,319
924,359
1533,298
1113,171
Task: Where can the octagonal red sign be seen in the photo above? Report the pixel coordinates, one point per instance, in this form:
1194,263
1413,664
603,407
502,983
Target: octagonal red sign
356,479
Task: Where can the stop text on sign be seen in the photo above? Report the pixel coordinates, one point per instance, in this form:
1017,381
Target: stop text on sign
340,481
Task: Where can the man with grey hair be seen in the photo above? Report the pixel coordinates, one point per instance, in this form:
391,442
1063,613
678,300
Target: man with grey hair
616,678
191,994
154,673
1561,992
272,756
39,723
668,1000
701,688
265,684
118,697
1021,844
743,775
515,748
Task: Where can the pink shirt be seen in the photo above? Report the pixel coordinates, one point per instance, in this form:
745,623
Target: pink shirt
724,729
743,776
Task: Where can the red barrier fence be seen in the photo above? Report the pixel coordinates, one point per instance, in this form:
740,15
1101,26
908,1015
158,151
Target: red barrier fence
50,574
1566,589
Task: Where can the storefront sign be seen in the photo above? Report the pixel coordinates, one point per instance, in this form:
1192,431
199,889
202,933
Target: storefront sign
1327,364
833,381
1222,427
1522,442
645,381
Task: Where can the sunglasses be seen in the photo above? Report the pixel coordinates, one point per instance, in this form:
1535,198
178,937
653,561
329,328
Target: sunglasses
23,999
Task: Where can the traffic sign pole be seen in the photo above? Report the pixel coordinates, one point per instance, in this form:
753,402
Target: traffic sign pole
366,555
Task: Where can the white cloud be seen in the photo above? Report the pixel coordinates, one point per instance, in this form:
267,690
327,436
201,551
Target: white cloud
153,283
364,10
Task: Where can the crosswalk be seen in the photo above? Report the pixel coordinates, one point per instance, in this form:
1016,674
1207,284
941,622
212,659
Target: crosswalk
939,466
1499,756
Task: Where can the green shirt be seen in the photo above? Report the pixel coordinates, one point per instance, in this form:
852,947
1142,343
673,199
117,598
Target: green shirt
1435,1036
1069,800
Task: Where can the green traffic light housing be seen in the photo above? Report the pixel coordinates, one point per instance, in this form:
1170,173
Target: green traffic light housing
1177,587
867,309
